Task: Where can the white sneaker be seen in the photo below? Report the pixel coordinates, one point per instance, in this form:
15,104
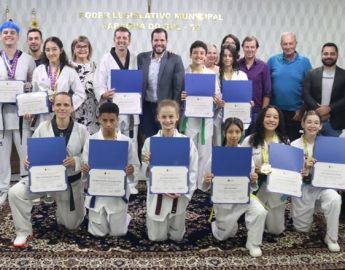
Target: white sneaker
22,241
3,197
133,189
333,246
254,251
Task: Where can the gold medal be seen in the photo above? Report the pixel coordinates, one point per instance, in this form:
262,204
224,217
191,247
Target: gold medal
266,168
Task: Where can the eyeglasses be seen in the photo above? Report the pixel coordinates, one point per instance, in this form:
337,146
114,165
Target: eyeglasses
82,47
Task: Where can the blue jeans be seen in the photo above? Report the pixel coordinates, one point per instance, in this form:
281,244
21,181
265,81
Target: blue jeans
327,130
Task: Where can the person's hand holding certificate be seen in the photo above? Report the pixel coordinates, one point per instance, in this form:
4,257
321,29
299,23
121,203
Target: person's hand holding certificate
169,173
200,89
128,90
9,91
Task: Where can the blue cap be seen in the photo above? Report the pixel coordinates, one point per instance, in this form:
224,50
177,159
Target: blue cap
9,24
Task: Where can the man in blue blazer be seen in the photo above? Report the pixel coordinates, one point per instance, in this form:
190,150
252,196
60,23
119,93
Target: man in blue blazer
324,91
163,79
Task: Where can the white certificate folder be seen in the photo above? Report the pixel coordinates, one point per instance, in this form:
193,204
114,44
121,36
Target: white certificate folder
231,168
107,160
128,85
169,165
329,169
47,172
237,96
200,90
286,162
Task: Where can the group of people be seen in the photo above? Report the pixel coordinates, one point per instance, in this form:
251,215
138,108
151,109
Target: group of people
285,91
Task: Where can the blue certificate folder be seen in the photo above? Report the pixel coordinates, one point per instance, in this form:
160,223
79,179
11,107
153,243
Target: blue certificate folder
108,155
200,84
237,91
330,149
46,151
127,81
231,161
286,157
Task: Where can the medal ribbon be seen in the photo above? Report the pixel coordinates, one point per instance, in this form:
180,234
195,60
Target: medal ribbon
53,78
264,150
11,68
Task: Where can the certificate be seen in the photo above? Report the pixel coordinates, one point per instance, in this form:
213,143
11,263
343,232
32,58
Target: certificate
48,178
239,110
169,179
9,91
329,175
285,182
230,189
129,103
199,106
32,103
107,183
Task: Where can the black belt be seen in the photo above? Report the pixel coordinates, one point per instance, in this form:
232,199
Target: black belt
71,179
307,179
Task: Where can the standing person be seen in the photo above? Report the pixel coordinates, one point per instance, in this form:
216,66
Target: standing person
212,58
227,215
162,220
258,72
303,208
34,41
81,56
269,129
14,65
108,215
228,70
323,91
70,203
288,70
56,75
163,79
200,129
119,57
233,41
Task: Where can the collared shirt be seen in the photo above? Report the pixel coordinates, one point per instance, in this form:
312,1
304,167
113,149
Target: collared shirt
260,75
287,80
151,92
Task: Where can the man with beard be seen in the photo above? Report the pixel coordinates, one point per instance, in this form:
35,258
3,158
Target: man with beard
34,41
324,91
163,79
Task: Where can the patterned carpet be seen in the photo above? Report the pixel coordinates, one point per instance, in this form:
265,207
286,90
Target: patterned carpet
55,247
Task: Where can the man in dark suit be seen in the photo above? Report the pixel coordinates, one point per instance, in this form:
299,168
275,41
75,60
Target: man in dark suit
163,79
324,91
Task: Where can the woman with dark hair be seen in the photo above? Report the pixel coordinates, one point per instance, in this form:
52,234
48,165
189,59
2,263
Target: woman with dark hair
269,129
233,41
81,60
56,75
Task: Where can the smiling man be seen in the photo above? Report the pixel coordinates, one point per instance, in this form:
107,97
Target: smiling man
34,41
163,79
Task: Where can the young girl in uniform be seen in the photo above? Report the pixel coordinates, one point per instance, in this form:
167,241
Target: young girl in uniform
227,215
303,208
269,129
166,213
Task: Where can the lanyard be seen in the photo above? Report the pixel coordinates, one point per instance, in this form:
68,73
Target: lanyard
11,67
264,149
53,78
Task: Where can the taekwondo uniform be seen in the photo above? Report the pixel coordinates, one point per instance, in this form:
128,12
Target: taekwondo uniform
108,215
165,217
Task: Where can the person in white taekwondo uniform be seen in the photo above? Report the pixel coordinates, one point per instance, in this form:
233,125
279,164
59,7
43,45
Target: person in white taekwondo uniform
14,65
303,208
108,215
200,129
70,203
55,75
269,129
119,57
227,215
166,213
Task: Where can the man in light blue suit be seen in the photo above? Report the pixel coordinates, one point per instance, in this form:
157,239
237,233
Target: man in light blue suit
163,79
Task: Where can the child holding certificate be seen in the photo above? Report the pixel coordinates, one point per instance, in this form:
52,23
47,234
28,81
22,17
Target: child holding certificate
269,129
108,214
303,208
166,213
200,129
227,215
